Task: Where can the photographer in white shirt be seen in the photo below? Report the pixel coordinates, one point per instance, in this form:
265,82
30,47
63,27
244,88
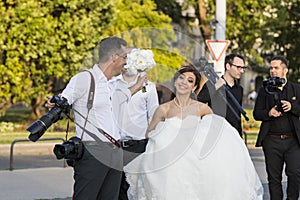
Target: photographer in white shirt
98,173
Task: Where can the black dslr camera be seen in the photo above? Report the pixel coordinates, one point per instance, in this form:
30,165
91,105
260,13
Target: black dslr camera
271,87
274,82
71,150
38,128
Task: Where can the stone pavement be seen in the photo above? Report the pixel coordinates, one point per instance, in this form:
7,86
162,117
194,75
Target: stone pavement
36,175
39,183
259,164
56,183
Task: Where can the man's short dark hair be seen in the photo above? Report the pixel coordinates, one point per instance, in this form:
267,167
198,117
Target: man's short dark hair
282,59
108,46
229,58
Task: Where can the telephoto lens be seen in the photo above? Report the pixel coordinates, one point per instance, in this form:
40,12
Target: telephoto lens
38,128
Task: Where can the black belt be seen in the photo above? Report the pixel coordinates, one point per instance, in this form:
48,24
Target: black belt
129,143
281,136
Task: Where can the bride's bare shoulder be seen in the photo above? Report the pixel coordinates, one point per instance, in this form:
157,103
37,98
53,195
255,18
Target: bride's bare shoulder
163,108
204,109
165,105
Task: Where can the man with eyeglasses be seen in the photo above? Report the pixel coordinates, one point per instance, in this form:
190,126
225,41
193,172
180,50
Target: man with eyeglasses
212,94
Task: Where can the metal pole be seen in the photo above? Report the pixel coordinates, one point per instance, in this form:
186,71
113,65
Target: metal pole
220,32
11,156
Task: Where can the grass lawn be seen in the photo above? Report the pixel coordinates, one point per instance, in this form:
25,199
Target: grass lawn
15,121
8,138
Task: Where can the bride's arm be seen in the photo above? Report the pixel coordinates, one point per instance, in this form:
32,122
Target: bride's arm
159,115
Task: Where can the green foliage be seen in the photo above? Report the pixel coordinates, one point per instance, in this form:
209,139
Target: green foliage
260,29
9,137
244,21
145,28
18,119
170,8
8,127
252,124
281,34
43,41
140,15
166,65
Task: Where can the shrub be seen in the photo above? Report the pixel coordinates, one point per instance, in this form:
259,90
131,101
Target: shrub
6,127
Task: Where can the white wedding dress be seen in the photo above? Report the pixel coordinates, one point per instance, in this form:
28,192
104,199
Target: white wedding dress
194,159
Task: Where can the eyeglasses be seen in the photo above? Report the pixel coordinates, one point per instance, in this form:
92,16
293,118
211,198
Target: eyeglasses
239,67
124,57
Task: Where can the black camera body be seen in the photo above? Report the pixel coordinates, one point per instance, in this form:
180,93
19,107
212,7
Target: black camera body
271,87
71,150
38,128
274,82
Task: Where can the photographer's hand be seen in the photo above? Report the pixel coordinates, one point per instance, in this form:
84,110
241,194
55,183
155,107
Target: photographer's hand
274,112
49,104
286,105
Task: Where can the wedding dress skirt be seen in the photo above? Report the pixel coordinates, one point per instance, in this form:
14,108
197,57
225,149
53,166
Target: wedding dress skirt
194,159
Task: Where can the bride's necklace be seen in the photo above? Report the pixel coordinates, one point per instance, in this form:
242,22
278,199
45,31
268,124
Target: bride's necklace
179,106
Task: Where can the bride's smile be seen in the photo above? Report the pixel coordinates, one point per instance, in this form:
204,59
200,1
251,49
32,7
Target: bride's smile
185,83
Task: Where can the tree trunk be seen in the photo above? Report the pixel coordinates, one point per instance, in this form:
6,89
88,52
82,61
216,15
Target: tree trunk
205,27
35,106
3,107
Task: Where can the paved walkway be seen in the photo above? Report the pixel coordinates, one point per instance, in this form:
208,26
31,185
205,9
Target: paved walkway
39,183
56,183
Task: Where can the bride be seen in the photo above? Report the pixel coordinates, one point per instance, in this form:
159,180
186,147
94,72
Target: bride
191,153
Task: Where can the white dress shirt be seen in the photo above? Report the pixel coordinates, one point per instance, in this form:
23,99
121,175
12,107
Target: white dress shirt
100,115
132,114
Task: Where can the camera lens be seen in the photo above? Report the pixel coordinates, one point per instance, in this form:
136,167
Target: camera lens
60,151
38,128
71,149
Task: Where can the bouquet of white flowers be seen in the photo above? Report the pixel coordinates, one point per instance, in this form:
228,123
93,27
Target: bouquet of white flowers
138,61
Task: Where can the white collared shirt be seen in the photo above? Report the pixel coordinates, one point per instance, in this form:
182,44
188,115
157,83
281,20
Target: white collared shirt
101,115
132,114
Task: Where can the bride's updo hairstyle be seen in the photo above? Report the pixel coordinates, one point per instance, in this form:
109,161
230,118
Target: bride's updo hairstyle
189,68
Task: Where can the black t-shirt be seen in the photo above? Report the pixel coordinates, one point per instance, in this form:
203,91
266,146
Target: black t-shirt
282,124
220,102
237,91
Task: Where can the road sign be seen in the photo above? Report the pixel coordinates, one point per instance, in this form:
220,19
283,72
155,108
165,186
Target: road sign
217,47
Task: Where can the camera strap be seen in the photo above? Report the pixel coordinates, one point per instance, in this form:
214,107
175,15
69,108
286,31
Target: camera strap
90,101
89,106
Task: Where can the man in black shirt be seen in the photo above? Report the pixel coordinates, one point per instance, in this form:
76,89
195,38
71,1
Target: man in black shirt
212,93
279,133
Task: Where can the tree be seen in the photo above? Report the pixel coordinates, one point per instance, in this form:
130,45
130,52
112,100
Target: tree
281,34
244,22
146,27
44,41
260,29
